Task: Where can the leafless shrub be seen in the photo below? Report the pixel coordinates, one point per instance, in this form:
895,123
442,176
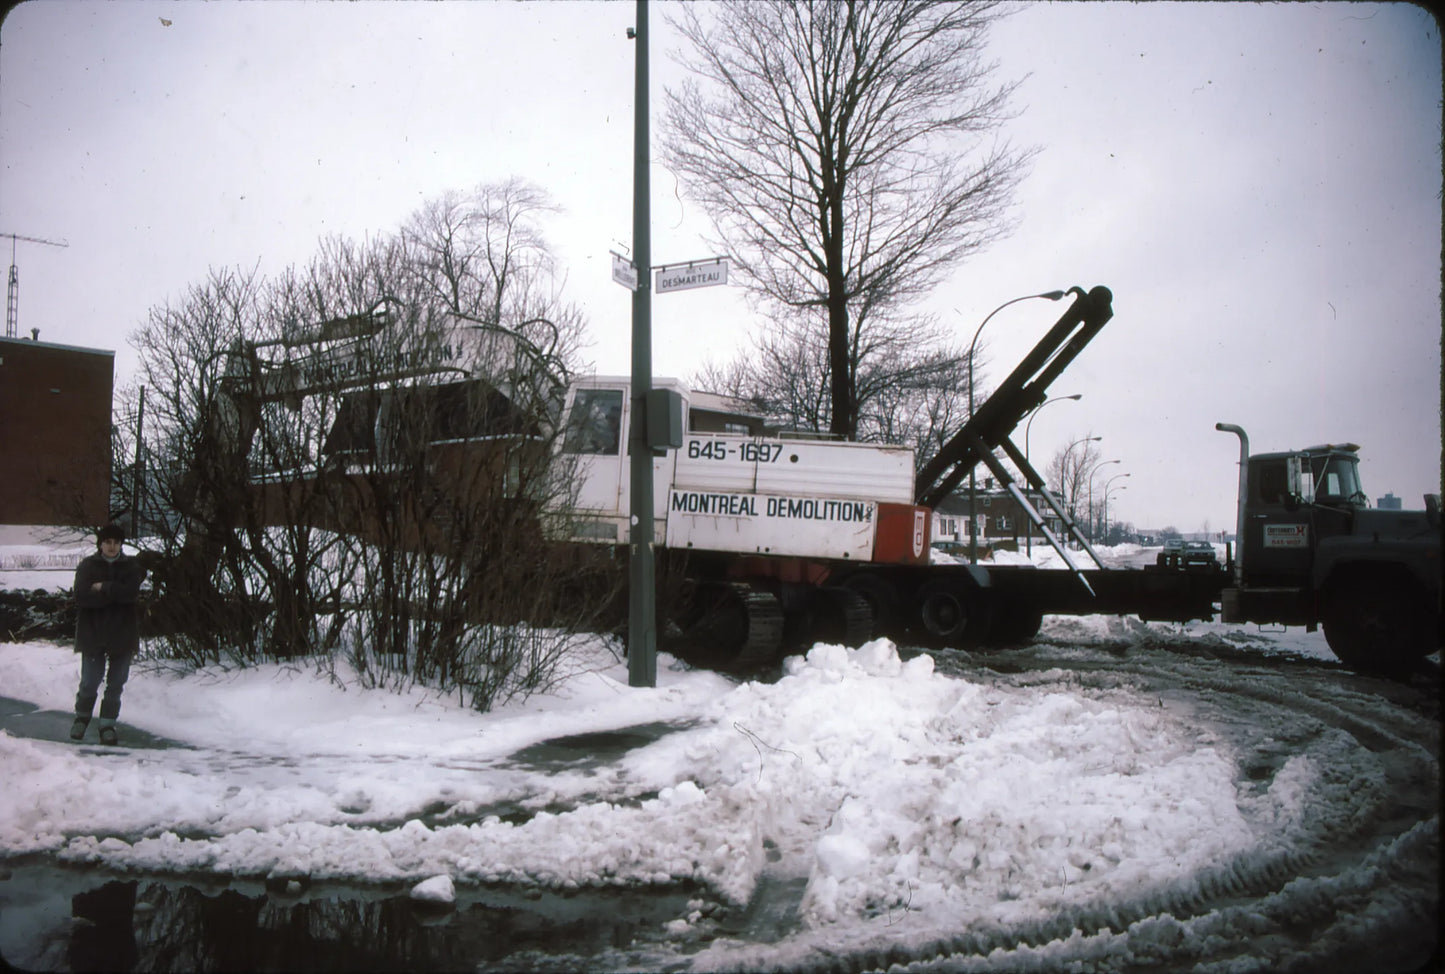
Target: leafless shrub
355,456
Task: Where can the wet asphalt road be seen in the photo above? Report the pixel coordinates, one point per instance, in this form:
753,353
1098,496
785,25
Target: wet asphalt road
23,719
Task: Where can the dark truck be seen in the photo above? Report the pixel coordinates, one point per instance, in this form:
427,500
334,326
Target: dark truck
1311,552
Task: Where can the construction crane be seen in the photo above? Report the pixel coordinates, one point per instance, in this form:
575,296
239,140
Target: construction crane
12,293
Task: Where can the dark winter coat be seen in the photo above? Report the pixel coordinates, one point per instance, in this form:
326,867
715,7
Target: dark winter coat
106,620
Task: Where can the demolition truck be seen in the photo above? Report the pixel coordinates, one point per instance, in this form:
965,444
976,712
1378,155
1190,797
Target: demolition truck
783,539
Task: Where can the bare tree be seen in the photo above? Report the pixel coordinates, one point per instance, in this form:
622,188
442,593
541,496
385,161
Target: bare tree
846,154
911,389
484,257
200,435
1070,471
359,454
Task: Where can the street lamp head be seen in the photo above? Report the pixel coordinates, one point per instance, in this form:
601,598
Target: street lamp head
1076,396
1053,295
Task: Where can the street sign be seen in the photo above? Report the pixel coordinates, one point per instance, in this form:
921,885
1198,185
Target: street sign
624,272
681,277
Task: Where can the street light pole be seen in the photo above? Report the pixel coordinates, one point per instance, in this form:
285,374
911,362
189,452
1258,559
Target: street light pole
1117,476
1108,490
1029,542
972,480
1091,495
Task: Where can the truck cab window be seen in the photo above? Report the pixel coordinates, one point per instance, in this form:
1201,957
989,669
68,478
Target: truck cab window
1337,480
595,423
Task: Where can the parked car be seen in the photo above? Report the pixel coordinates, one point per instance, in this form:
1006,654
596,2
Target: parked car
1188,554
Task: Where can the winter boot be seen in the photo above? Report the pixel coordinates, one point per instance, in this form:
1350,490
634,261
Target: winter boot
107,736
77,729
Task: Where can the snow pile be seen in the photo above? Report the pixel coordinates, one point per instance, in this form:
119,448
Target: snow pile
996,815
890,787
1043,555
893,788
1250,638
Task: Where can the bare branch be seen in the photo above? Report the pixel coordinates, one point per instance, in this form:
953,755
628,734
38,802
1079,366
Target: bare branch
846,153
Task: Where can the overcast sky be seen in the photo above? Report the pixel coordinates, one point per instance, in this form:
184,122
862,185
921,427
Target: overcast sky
1259,185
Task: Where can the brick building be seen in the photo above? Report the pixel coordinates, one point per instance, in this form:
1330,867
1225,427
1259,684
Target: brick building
55,403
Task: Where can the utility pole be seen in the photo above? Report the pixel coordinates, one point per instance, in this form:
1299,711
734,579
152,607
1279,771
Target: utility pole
642,569
12,292
135,484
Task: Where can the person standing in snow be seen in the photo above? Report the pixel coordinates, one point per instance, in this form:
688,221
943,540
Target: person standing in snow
107,631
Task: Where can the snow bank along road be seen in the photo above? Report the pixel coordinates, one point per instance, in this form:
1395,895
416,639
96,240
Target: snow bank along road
1116,796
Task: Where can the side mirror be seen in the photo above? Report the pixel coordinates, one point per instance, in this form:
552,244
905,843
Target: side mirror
1294,483
1432,510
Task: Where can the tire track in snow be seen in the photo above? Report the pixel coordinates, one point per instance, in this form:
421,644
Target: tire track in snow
1362,863
1350,878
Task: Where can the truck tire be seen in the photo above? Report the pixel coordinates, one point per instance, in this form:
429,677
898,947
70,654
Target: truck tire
1376,624
949,612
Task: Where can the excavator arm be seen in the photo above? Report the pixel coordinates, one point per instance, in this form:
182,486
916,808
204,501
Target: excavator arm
1025,389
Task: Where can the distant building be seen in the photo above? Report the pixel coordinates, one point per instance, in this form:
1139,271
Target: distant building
1001,520
55,403
1389,503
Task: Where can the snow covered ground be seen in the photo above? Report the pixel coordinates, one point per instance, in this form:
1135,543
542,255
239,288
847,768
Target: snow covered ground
1117,795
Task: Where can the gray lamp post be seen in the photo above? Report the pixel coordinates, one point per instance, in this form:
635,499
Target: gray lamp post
1029,542
1105,463
972,480
1105,529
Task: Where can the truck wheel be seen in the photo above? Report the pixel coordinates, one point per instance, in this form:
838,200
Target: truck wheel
950,613
1373,624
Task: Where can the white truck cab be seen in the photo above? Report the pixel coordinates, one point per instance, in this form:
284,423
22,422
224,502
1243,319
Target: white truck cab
735,486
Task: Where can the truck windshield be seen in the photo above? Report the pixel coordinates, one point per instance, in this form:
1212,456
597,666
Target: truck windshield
1337,480
595,423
